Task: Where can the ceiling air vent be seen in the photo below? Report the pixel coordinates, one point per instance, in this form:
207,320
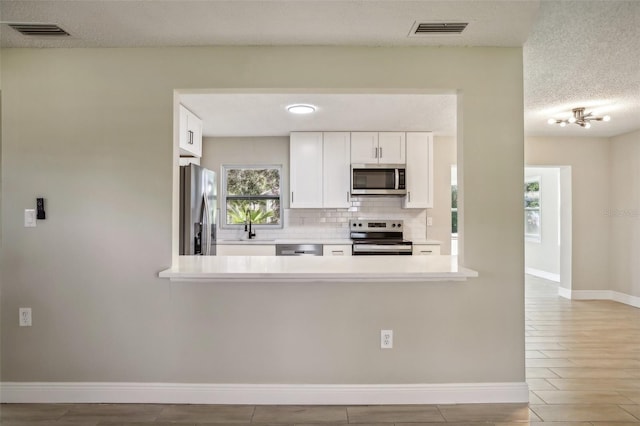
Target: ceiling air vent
48,30
438,28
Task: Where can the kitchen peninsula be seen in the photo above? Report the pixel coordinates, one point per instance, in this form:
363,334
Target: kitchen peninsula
317,269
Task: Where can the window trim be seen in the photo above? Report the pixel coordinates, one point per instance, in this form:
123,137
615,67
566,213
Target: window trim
223,197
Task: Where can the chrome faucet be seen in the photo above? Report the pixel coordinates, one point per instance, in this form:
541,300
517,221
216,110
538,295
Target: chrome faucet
248,228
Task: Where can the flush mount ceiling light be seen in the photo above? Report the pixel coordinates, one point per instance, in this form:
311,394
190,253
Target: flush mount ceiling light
301,109
579,118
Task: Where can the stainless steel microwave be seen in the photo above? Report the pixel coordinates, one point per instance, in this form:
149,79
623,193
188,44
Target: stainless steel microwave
378,179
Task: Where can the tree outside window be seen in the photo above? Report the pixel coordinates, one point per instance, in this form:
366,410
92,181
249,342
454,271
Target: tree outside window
252,193
532,229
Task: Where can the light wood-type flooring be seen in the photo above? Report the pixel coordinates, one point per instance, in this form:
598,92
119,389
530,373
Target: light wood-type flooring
583,368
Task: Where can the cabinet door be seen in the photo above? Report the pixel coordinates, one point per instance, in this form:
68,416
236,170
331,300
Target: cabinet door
419,174
195,127
364,147
183,132
305,170
426,250
391,148
190,131
336,170
336,250
245,250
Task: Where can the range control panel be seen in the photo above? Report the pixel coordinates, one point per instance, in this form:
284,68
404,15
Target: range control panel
364,225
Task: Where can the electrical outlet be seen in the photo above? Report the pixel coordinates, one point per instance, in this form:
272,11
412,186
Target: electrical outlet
25,317
429,221
386,339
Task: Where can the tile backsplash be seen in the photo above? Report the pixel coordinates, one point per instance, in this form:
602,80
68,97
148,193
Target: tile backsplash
334,223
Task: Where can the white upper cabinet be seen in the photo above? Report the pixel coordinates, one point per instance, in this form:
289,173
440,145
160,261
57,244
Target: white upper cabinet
185,161
378,148
391,148
364,147
305,170
190,133
419,174
320,169
336,179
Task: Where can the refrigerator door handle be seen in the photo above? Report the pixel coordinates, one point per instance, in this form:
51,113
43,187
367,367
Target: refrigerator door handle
206,227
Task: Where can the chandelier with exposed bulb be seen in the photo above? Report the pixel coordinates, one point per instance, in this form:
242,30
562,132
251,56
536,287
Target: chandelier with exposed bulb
579,118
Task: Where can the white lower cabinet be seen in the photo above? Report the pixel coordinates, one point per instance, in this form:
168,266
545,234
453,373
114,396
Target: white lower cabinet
246,250
426,249
336,250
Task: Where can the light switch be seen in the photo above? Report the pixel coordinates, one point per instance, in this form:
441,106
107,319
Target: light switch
429,221
29,218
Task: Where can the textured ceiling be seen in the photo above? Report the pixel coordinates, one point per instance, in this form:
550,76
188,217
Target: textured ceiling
583,54
266,114
577,53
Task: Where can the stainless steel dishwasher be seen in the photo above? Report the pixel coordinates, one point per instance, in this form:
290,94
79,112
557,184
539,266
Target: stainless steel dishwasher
298,249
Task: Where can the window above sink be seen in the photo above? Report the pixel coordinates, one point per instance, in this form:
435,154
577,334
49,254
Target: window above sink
251,192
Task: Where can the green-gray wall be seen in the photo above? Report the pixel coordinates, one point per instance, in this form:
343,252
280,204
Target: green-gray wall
91,131
624,213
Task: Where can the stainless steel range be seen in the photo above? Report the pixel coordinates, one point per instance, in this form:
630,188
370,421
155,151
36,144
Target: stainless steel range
378,237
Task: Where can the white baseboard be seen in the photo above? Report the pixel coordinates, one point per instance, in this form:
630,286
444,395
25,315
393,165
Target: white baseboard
564,292
186,393
616,296
542,274
627,299
592,294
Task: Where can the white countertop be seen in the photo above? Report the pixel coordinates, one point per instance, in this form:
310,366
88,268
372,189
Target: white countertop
284,241
303,241
317,269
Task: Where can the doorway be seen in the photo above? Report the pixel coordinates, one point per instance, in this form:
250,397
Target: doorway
547,225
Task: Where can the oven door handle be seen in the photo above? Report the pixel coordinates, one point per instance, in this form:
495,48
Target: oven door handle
382,247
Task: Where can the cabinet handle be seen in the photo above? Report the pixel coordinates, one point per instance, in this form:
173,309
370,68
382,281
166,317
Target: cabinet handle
190,137
409,196
291,197
426,251
380,152
337,252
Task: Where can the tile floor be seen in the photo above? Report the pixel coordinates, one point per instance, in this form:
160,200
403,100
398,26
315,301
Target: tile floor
583,369
583,358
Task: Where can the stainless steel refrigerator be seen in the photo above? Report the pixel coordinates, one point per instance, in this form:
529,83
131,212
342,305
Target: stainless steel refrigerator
197,211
